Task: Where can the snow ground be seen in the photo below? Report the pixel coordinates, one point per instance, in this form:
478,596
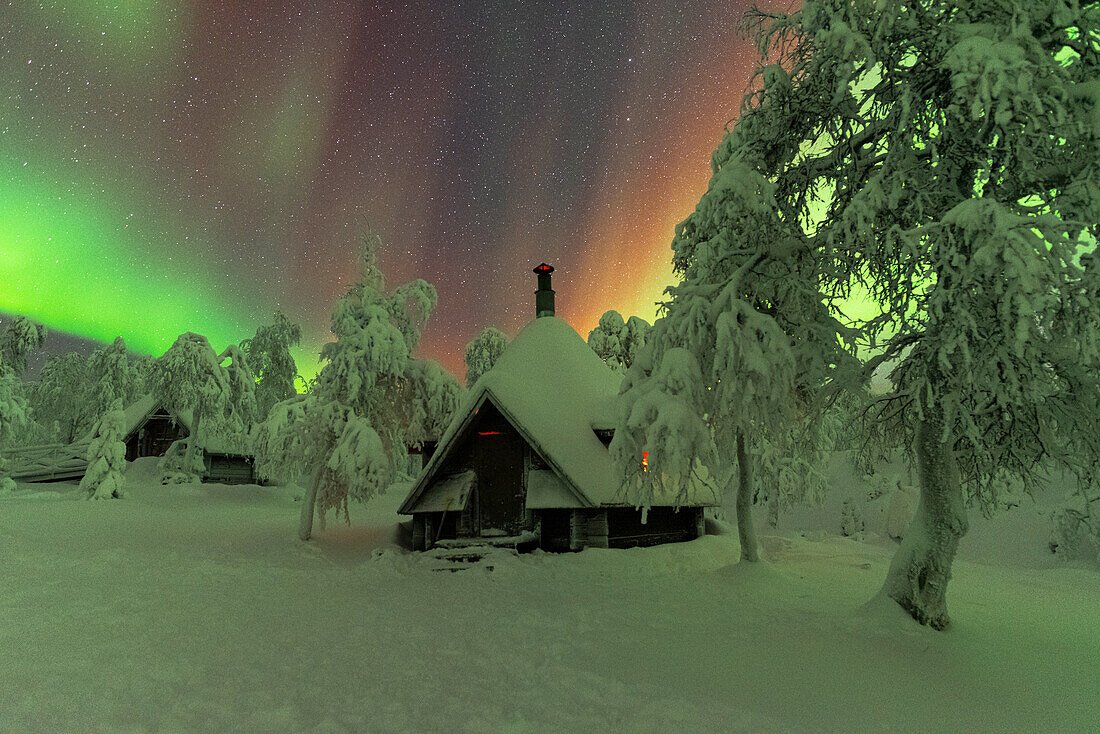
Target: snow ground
197,609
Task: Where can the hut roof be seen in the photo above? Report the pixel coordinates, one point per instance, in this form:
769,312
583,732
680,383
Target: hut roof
555,391
139,411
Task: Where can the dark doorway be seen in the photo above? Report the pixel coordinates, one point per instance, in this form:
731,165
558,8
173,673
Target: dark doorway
498,455
154,438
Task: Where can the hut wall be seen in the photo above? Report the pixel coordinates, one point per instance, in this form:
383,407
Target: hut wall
499,458
229,469
434,526
554,529
588,529
154,437
419,532
663,525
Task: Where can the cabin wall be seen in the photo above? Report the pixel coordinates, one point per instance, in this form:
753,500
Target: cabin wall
588,529
663,525
554,529
229,469
616,527
497,454
154,437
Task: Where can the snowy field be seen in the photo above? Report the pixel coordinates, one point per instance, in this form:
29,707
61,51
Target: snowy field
197,609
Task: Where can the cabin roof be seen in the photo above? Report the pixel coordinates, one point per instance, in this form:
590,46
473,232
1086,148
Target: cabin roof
553,389
142,409
139,411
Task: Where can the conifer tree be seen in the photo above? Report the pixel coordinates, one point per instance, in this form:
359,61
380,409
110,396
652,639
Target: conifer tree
111,375
107,457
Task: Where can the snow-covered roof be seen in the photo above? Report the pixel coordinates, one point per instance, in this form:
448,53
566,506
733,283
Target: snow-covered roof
554,390
139,411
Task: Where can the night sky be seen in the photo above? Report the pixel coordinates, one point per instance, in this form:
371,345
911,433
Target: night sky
186,166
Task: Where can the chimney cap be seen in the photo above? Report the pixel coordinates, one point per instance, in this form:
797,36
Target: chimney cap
544,268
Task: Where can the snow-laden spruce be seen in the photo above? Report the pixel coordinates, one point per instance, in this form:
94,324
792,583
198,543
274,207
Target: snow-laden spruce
269,358
483,351
617,341
945,158
107,456
348,433
111,375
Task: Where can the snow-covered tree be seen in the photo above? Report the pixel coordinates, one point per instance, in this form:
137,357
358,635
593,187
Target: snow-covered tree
269,357
240,408
58,398
617,341
111,376
483,351
107,456
749,321
19,337
14,414
347,432
943,156
190,378
144,367
430,397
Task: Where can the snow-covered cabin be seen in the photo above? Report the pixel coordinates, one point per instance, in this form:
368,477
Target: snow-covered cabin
150,429
526,459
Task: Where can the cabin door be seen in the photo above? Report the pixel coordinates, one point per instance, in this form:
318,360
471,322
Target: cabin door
499,457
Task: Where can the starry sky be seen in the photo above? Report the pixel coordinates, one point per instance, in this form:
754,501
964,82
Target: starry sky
171,166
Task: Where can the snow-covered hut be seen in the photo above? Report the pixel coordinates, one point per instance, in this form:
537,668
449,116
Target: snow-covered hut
150,429
526,459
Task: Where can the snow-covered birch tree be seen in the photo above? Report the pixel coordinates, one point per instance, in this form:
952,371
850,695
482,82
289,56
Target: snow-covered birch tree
14,414
430,397
483,351
58,398
240,407
106,456
617,342
749,321
269,357
945,157
19,337
348,431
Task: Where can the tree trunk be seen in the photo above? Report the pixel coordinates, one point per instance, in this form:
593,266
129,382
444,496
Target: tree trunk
192,444
305,524
921,568
746,532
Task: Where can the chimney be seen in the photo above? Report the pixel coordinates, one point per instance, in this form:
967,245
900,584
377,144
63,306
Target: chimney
544,296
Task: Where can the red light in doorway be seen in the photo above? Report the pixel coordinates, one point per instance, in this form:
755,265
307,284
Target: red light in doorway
645,461
488,433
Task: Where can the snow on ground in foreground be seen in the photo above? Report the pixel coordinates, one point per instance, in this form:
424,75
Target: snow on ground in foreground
196,609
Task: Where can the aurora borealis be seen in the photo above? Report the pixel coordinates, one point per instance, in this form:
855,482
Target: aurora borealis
185,166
